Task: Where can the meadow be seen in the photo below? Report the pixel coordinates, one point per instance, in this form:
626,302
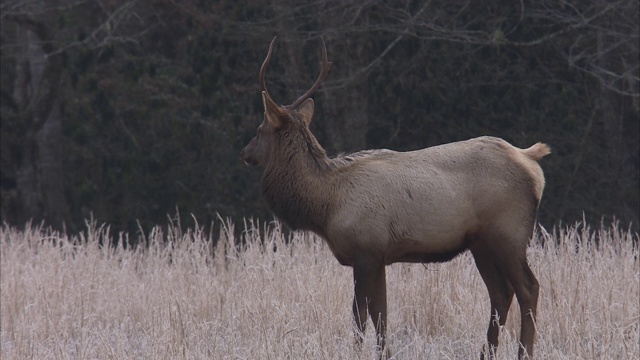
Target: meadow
188,294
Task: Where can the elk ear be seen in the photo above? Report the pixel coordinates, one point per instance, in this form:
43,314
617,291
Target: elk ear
306,109
272,111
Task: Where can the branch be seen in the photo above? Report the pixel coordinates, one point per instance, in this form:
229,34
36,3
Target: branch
108,28
103,35
346,81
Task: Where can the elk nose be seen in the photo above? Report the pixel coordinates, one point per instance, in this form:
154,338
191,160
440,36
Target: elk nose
245,158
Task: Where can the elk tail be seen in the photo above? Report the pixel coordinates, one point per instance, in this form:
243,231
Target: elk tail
537,151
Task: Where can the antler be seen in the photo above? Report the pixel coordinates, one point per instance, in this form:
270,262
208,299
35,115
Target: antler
323,74
263,68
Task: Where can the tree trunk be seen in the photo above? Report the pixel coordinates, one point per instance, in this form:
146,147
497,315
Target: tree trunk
39,173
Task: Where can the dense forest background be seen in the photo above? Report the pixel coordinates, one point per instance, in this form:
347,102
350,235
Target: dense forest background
130,111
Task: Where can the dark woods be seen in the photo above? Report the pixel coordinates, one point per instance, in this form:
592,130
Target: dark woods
125,110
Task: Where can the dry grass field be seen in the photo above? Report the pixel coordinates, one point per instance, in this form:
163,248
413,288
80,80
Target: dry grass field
183,298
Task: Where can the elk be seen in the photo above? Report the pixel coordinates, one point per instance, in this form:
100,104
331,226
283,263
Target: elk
378,207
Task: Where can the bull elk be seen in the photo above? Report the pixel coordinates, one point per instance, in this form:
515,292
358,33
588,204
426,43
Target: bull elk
377,207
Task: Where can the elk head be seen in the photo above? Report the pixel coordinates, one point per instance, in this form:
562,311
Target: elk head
281,119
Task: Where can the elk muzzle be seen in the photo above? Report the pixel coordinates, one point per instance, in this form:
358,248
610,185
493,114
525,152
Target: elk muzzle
248,153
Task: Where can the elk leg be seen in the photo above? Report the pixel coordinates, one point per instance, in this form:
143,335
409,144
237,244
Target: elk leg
370,293
527,288
378,308
359,315
500,293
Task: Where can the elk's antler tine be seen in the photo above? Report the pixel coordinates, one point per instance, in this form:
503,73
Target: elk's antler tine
263,68
323,74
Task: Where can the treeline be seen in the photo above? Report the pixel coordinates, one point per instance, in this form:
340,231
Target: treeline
126,111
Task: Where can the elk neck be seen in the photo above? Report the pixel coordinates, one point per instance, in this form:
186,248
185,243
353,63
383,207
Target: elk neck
297,183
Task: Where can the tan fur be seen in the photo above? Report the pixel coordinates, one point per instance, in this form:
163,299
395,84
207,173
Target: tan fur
537,151
378,207
434,197
530,160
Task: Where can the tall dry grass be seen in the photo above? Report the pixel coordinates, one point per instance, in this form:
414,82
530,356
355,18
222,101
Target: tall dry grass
183,298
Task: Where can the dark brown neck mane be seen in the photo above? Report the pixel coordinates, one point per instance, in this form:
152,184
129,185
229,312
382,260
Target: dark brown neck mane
296,183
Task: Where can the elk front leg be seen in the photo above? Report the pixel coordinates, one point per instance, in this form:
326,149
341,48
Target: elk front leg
370,293
359,316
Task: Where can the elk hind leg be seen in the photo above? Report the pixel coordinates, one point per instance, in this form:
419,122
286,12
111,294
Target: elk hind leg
500,294
526,288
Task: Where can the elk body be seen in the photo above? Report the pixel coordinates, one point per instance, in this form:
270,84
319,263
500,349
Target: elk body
377,207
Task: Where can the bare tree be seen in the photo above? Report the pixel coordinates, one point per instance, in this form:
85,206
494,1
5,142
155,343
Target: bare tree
36,44
144,83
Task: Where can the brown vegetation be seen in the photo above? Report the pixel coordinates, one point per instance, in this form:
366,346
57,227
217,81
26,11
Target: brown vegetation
181,298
